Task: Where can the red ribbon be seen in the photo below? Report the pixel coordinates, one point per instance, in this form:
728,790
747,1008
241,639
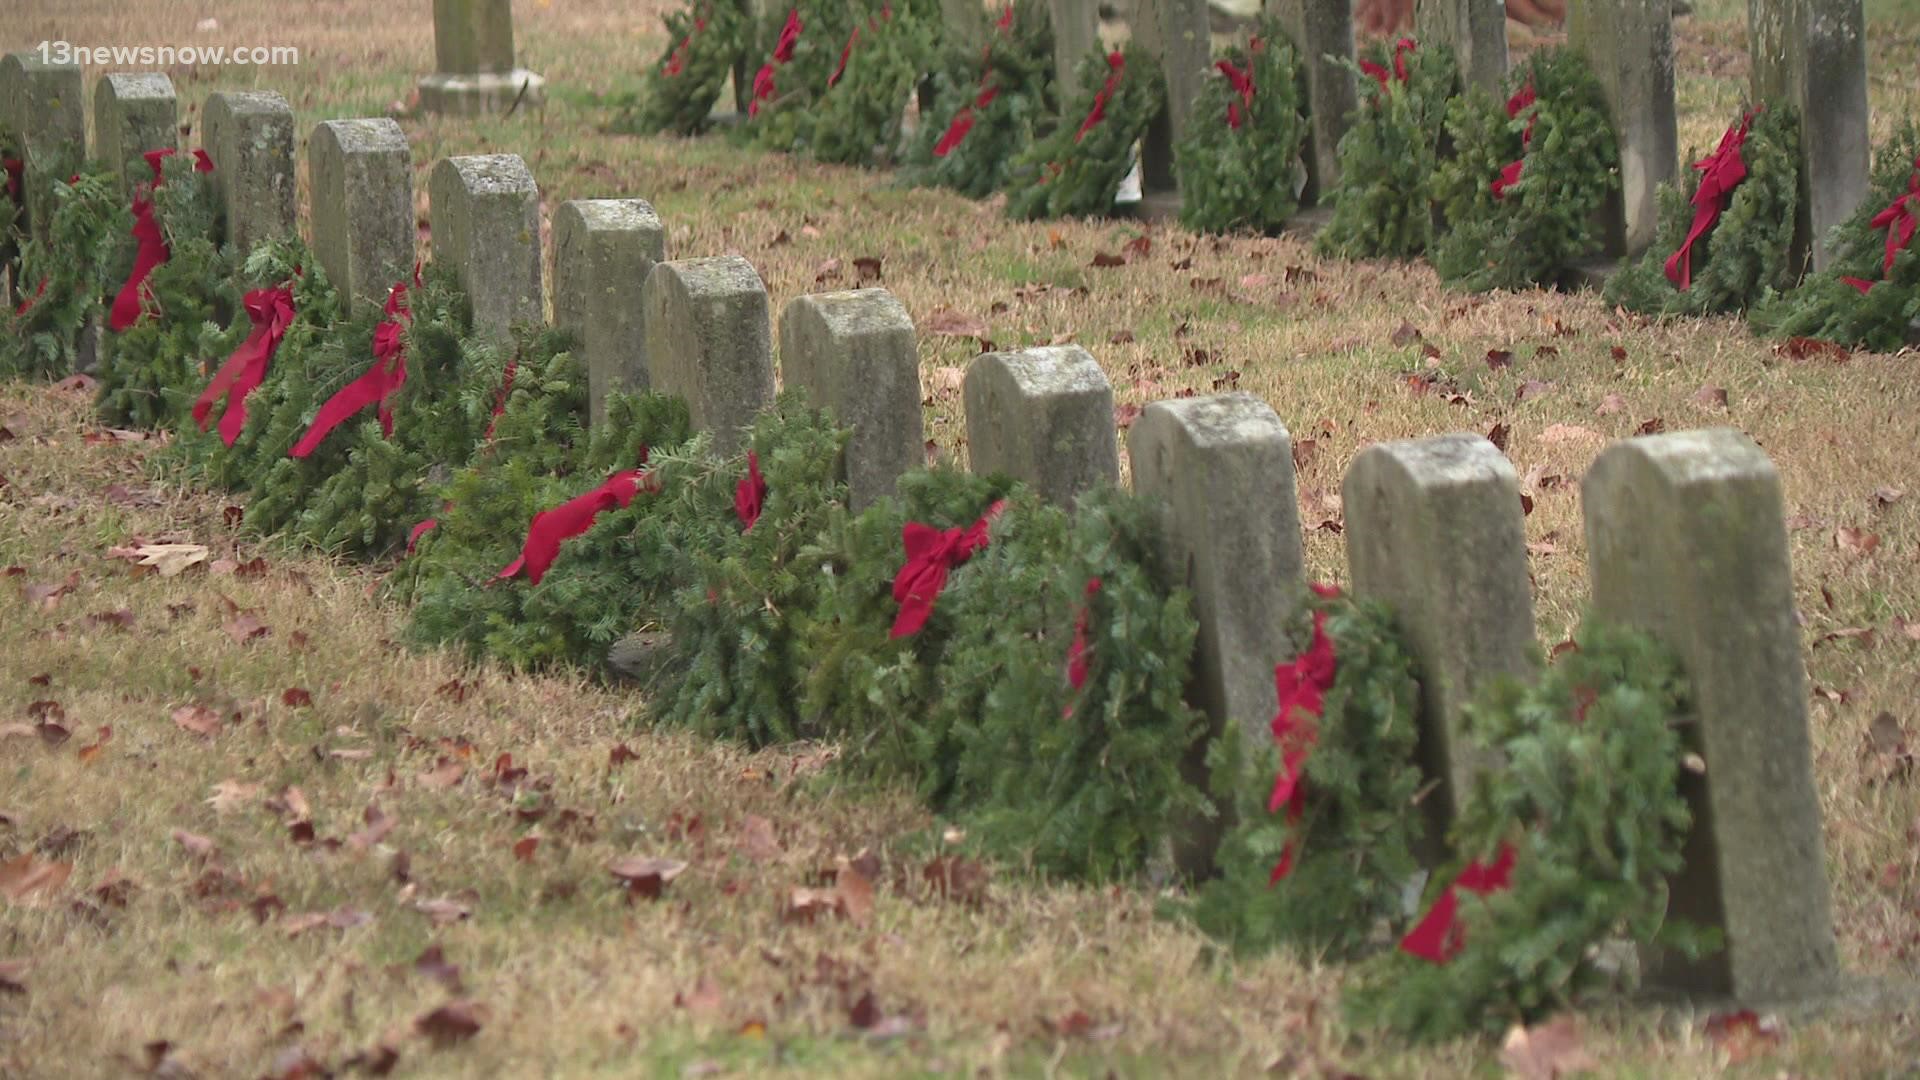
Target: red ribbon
570,519
1301,687
963,120
750,494
381,381
782,53
1401,49
1518,103
1720,172
13,167
845,53
1115,64
420,530
271,311
1077,667
1438,936
931,555
27,304
1242,83
151,251
500,399
1899,221
677,63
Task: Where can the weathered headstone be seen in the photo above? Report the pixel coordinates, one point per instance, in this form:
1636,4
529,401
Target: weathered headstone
1322,33
1434,528
852,354
1629,44
1476,31
1076,36
1176,35
249,136
709,341
1812,55
1223,468
473,50
1687,540
361,176
486,225
44,106
603,250
1044,416
132,114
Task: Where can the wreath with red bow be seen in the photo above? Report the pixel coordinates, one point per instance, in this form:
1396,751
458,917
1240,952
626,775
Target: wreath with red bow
862,110
65,272
1077,170
1239,165
1383,201
988,105
703,43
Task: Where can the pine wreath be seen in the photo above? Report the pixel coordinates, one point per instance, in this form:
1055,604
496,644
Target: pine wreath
703,41
988,107
1869,296
863,106
1239,165
1520,194
64,276
1077,170
1383,203
808,37
1730,243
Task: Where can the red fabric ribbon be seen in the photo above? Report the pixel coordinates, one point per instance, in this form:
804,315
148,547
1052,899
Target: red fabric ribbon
271,311
27,304
1518,103
1077,667
963,120
1720,172
570,519
1301,687
1242,83
931,555
1438,936
1401,49
381,381
1115,64
845,53
500,399
677,63
750,494
151,251
1899,221
763,89
1005,21
420,530
13,167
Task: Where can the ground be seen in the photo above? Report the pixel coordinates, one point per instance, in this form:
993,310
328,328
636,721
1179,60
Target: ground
290,808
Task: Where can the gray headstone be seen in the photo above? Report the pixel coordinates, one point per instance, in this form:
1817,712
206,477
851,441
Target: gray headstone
1223,468
1176,35
133,114
1629,44
44,106
1812,54
486,224
1687,540
603,250
361,176
1076,36
853,355
249,135
709,341
1434,528
473,51
1476,31
1322,33
1043,416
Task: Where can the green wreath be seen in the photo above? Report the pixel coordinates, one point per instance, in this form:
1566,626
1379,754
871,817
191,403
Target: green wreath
1239,165
987,106
703,43
1077,170
1384,201
859,115
64,276
786,90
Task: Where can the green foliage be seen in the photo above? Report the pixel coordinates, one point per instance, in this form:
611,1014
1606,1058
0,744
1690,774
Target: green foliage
858,119
1383,204
785,120
1016,69
78,260
1829,308
1239,165
703,42
1354,843
1588,796
1746,254
1546,220
1077,170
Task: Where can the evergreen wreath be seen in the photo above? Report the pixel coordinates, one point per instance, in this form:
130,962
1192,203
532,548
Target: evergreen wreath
863,106
1239,165
703,42
1520,194
1077,170
987,106
1869,295
1383,204
1319,858
13,206
64,277
1569,843
1730,243
782,109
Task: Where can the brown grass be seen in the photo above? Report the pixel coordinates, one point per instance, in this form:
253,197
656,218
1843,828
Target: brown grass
570,976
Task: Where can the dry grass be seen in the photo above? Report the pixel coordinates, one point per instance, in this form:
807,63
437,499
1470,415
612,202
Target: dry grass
574,979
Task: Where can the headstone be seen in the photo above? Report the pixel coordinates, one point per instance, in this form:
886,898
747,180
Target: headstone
709,341
1076,36
1434,529
249,135
853,355
1176,35
1629,44
603,250
1322,33
473,50
486,224
361,176
1812,55
1476,31
44,106
1686,539
133,114
1223,468
1043,416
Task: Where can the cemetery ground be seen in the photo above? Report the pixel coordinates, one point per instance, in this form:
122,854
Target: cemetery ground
300,842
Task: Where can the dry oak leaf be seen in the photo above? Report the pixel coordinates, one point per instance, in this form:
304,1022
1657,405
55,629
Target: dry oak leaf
26,879
454,1022
171,559
13,976
1545,1051
197,719
645,876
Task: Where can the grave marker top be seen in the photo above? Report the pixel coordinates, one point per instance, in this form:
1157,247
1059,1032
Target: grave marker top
132,114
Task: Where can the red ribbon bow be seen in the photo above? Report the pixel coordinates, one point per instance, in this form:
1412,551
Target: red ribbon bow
570,519
27,304
1301,687
782,53
1077,667
420,530
381,381
677,63
931,555
1115,65
963,120
271,311
750,494
151,251
1242,83
1518,103
500,399
845,53
1438,936
1720,172
1400,50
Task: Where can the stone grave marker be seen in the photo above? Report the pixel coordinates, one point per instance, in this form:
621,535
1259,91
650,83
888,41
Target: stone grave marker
709,341
486,224
249,136
361,176
1812,55
1174,33
44,106
603,250
1629,44
1322,33
132,114
473,50
1043,416
1476,31
852,353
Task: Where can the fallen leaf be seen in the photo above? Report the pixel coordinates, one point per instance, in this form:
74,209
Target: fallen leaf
1497,435
443,911
198,846
295,697
1546,1051
524,848
379,824
102,738
246,628
1711,397
1611,404
13,976
645,876
231,795
757,841
1743,1035
454,1022
866,268
26,878
951,323
197,719
1856,542
171,559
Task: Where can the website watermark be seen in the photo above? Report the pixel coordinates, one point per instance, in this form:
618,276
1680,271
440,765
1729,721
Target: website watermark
64,52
